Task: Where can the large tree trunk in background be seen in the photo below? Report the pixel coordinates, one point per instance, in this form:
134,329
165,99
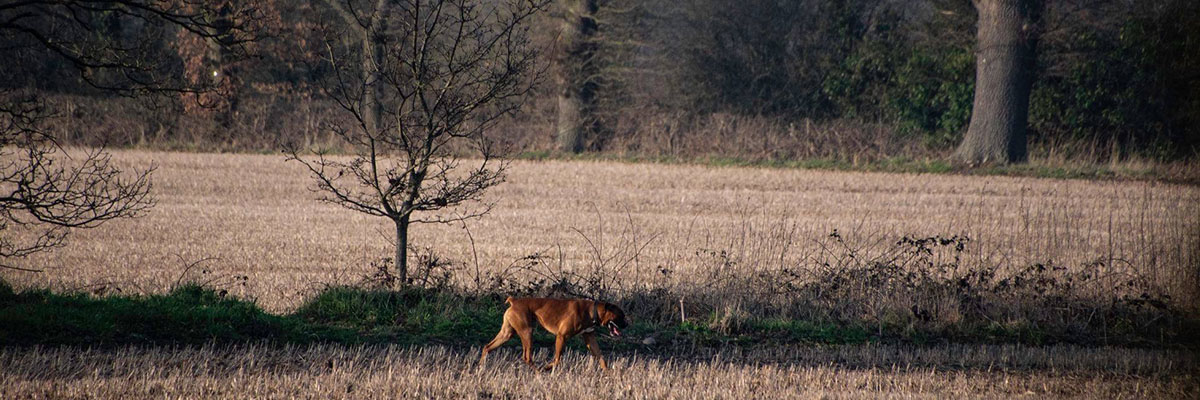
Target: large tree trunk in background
370,103
229,84
575,74
1006,44
372,58
570,123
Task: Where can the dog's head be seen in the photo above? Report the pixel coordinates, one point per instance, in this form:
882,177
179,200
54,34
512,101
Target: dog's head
610,316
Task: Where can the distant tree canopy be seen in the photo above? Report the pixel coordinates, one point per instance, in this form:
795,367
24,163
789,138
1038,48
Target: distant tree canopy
1106,71
1119,74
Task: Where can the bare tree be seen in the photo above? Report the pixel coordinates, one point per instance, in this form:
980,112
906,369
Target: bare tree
111,48
421,82
1006,44
48,195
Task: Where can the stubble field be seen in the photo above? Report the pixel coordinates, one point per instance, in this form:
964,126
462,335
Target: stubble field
325,372
255,216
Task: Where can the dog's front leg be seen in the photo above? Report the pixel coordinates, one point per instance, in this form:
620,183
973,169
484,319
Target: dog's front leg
594,347
559,342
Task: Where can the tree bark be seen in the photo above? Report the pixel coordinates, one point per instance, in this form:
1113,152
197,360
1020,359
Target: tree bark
227,79
370,103
575,74
372,58
1006,44
402,250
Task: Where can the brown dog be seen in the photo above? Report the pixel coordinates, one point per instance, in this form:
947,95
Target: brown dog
562,317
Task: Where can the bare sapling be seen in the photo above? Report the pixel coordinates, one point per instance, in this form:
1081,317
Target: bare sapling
420,82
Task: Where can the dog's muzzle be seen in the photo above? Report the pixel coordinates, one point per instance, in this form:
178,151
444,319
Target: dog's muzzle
612,328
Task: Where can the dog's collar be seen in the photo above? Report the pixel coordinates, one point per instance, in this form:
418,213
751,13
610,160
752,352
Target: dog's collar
595,314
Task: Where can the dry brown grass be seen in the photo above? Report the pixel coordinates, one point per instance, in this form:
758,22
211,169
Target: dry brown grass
434,372
255,215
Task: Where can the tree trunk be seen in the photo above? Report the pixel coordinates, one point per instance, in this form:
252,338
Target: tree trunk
570,123
402,250
227,83
575,74
372,58
1005,56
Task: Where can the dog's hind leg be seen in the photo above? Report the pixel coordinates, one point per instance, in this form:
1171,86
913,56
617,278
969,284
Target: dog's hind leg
506,332
526,336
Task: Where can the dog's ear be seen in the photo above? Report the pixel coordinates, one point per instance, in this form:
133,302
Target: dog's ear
608,312
618,315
